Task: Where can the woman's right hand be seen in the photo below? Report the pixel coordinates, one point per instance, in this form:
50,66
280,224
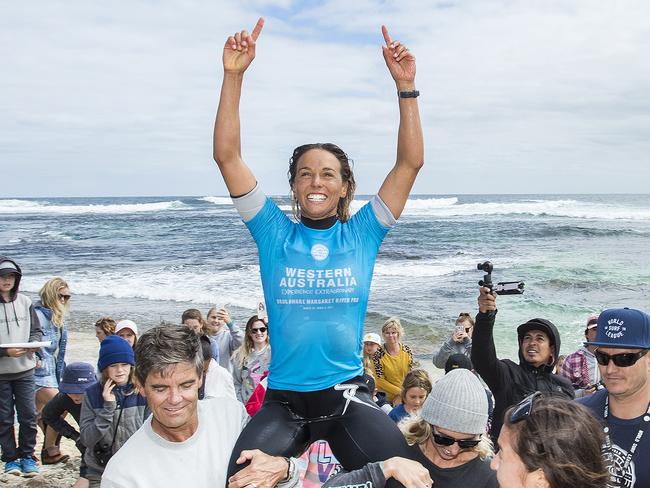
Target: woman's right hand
410,473
239,50
107,392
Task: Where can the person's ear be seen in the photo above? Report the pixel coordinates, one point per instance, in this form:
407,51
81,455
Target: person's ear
139,386
538,479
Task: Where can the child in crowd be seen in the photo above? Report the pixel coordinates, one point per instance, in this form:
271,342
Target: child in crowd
77,378
112,410
371,344
415,389
51,311
221,329
193,319
252,359
18,324
127,330
104,327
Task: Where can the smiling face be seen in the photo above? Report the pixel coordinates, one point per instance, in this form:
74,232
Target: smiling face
172,396
453,452
258,332
536,348
318,185
214,322
119,373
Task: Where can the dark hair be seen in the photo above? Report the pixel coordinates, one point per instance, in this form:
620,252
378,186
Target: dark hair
164,346
206,350
194,313
564,440
343,207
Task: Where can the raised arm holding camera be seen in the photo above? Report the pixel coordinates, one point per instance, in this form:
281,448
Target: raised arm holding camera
539,347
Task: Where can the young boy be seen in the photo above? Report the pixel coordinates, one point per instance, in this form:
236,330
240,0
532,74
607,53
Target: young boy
18,323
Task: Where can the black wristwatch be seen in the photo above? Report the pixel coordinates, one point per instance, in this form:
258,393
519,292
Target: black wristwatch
408,94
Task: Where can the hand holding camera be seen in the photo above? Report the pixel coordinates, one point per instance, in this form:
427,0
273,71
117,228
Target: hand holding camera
487,302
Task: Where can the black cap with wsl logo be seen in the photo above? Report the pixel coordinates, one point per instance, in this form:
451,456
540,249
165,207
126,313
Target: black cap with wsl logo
624,328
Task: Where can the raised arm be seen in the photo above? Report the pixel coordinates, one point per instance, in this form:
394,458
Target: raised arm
410,145
238,53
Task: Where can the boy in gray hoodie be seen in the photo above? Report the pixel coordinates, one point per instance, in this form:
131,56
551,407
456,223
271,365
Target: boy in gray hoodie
18,324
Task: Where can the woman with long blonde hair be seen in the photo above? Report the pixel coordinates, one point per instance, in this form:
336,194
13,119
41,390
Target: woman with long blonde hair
51,311
448,443
251,360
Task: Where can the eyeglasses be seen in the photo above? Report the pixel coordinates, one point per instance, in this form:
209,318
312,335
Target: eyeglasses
63,297
464,314
443,440
623,360
261,330
524,408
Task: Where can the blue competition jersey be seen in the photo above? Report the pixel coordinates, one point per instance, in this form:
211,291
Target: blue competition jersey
316,285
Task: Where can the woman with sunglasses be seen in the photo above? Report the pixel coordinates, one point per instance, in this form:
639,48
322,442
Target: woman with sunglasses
51,311
251,360
448,442
550,442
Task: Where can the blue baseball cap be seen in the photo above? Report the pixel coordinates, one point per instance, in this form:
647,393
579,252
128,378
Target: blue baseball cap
77,377
624,328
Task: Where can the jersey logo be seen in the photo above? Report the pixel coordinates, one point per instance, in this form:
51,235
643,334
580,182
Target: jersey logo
319,252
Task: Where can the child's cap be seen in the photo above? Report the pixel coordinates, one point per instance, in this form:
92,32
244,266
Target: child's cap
77,377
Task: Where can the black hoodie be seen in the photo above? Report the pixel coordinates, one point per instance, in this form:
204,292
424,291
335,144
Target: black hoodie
18,323
511,382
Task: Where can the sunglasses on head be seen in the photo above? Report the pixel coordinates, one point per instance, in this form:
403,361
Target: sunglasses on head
524,408
623,360
443,440
259,330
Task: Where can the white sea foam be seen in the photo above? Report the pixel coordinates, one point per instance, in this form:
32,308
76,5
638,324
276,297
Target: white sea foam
42,207
217,200
240,287
450,207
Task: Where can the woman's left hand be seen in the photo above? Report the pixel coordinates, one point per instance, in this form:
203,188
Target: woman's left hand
400,61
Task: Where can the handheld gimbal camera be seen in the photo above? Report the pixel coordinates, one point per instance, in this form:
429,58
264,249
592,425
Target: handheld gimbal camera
502,287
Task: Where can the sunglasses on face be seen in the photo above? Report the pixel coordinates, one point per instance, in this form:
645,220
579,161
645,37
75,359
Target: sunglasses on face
63,297
260,330
524,408
443,440
623,360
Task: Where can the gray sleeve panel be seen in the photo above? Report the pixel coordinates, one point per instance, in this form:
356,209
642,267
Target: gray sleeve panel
369,476
250,204
382,212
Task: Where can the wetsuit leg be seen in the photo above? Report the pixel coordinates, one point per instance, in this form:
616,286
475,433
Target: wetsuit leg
365,435
274,430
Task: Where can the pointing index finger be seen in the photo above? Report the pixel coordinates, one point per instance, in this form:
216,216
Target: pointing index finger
384,31
258,28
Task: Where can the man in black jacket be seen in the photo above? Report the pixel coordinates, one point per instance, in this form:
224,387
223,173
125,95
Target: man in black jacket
539,347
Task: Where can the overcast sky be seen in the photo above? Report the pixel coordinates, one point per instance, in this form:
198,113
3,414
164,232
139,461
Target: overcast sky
118,97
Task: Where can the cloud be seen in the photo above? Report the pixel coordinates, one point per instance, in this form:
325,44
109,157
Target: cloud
119,98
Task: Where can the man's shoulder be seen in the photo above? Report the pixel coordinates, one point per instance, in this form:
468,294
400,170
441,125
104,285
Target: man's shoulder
595,402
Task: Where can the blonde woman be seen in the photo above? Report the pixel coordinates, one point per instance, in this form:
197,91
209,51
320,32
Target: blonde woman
448,443
51,311
251,360
392,361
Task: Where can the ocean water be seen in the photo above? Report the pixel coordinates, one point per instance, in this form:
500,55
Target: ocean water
150,258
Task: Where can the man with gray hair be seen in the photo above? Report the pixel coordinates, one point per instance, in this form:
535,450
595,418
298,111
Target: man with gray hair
184,441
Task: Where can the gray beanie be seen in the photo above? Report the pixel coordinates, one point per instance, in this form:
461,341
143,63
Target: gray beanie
457,402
